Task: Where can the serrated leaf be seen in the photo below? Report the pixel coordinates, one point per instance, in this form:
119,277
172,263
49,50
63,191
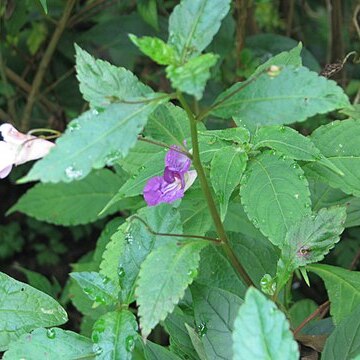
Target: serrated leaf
291,57
238,135
344,341
193,24
294,95
132,243
292,144
209,145
63,204
101,82
97,287
215,311
309,240
275,194
163,278
114,335
338,141
191,77
95,140
155,48
24,308
343,287
148,11
48,344
261,331
227,167
157,352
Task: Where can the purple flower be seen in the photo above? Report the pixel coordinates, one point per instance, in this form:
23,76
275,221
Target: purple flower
177,178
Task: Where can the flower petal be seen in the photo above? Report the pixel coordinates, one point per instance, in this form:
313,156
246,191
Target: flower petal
7,158
5,172
189,178
177,161
33,149
12,136
157,191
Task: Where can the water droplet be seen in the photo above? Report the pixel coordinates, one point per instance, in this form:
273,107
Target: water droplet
282,128
87,290
105,280
50,333
112,157
95,112
307,206
201,329
130,343
296,196
121,272
341,146
255,222
97,349
282,157
100,299
192,273
273,152
129,238
301,177
73,174
73,126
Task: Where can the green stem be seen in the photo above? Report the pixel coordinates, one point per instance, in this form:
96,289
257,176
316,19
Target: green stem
208,195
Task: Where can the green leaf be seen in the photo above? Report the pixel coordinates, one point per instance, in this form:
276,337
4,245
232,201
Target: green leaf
215,311
114,335
148,11
156,352
191,77
96,140
294,95
49,344
344,341
284,58
101,82
132,243
63,204
97,287
24,308
343,287
180,342
38,281
266,326
155,48
163,278
194,213
227,167
292,144
300,311
309,240
193,24
196,341
338,141
275,194
169,124
238,135
44,5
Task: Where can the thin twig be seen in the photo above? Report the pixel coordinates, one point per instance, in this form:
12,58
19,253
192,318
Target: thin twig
133,217
164,145
39,76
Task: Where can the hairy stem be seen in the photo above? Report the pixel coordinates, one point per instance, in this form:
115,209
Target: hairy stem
208,195
44,63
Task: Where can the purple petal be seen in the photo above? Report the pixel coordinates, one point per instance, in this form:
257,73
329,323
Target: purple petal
169,175
157,191
177,161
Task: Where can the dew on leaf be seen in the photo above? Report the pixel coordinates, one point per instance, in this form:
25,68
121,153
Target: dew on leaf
112,157
73,174
50,333
121,272
100,299
192,273
301,177
87,290
282,128
296,196
295,165
129,238
97,349
201,329
73,126
130,343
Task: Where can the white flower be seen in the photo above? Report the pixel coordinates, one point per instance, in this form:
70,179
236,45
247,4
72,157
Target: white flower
18,148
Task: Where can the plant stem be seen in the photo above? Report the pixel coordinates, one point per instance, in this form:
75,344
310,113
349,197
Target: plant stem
208,195
44,63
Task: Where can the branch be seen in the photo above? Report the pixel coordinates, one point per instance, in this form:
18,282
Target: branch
39,76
